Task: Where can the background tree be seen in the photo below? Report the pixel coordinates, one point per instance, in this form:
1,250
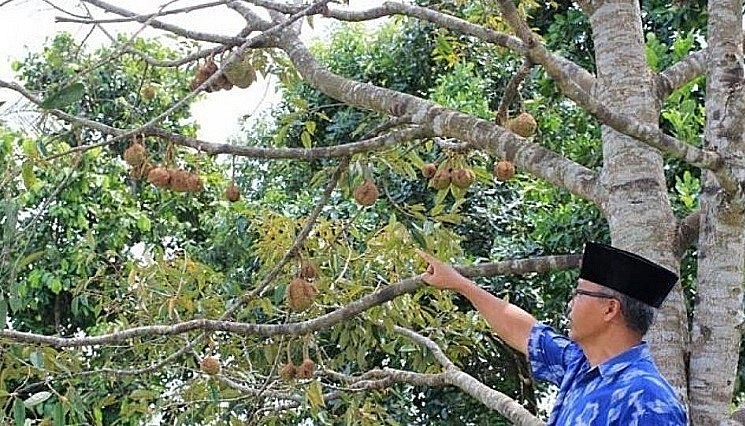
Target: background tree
310,276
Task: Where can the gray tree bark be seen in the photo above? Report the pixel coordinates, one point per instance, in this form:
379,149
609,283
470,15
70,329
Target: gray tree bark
638,211
718,310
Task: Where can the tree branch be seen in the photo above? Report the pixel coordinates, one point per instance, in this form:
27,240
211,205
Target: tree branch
650,135
491,398
583,78
479,133
373,144
194,35
141,18
427,343
687,232
376,143
385,294
511,91
680,73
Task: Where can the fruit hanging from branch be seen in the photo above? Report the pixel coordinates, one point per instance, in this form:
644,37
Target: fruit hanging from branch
287,371
232,194
462,178
241,72
159,176
367,193
524,125
306,369
504,170
429,170
307,270
441,179
300,294
210,365
135,154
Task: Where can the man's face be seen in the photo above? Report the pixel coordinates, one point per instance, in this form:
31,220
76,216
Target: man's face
586,308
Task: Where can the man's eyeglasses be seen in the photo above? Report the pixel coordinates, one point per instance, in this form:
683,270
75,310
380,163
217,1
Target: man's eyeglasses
577,291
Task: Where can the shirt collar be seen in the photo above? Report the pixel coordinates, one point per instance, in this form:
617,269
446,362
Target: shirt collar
624,359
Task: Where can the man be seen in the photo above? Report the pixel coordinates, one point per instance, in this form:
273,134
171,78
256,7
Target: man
604,370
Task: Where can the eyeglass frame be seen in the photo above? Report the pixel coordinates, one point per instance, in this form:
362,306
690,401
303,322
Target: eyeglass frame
578,291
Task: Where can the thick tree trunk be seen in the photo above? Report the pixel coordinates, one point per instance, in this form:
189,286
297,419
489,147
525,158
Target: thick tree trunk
638,210
721,244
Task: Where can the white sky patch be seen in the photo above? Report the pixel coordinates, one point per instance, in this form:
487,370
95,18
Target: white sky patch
25,26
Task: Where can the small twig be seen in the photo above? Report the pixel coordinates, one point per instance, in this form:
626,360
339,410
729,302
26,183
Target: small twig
511,90
300,239
90,20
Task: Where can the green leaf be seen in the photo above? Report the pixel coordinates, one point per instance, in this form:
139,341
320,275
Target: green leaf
315,394
143,394
19,412
31,258
58,415
143,224
305,138
310,126
97,416
30,149
55,285
3,311
36,399
66,96
37,359
16,302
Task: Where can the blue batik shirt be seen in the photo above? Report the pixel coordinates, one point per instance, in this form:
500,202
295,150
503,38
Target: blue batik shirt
626,390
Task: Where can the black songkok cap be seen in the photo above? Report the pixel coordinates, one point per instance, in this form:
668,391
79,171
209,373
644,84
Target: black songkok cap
627,273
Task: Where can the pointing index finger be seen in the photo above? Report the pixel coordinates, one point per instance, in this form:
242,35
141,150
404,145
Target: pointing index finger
424,255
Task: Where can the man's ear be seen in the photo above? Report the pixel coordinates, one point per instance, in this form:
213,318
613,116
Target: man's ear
612,309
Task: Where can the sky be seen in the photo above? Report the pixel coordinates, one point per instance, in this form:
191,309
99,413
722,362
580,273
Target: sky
26,24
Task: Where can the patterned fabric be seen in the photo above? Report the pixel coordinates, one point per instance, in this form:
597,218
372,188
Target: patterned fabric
626,390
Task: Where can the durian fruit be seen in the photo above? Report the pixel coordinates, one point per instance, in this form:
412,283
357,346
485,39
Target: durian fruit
307,270
462,178
367,193
287,371
184,181
504,170
306,369
136,154
204,71
159,176
300,294
429,170
221,83
147,92
441,179
179,180
524,125
194,183
240,72
233,194
210,365
140,172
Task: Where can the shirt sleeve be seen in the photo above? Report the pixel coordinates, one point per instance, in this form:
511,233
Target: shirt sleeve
550,354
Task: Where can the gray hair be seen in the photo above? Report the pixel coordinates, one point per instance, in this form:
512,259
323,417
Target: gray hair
638,315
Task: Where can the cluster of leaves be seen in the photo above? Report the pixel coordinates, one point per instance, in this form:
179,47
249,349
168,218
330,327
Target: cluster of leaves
78,228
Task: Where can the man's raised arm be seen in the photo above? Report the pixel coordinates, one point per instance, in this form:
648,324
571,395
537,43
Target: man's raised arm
509,322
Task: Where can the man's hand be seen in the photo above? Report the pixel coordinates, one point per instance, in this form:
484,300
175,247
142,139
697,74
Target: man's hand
510,323
440,275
